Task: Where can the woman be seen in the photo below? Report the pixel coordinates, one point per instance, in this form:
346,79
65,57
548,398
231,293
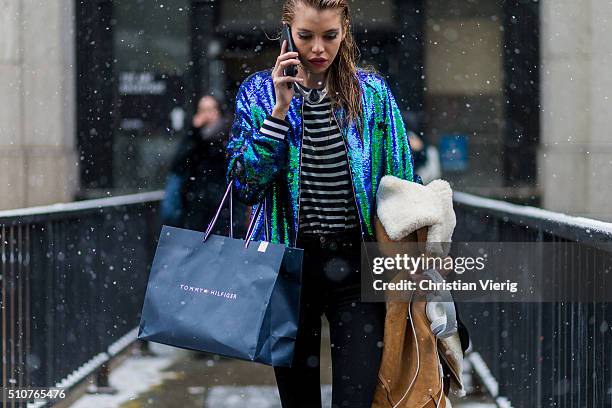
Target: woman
315,153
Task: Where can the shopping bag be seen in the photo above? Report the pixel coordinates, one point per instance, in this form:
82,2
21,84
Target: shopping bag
233,297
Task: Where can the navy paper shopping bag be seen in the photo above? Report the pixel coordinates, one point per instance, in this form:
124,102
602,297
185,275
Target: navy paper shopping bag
218,294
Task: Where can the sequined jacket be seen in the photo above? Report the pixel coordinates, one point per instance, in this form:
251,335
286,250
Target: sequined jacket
264,168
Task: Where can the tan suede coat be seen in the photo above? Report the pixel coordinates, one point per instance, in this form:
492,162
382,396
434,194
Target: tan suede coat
398,369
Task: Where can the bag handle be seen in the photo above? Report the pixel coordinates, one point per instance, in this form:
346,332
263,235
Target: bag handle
251,228
254,217
212,223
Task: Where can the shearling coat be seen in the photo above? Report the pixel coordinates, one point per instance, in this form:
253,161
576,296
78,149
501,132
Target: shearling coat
413,358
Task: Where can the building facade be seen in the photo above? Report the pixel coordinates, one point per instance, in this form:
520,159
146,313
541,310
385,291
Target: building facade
479,79
38,151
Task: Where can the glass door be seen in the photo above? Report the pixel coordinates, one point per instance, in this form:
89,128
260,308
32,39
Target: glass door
152,60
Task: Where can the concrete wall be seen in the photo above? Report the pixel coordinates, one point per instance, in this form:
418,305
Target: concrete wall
38,163
464,80
575,157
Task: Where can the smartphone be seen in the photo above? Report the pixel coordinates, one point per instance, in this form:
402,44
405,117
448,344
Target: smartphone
286,35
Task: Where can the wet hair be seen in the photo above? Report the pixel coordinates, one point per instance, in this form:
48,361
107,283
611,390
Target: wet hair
341,82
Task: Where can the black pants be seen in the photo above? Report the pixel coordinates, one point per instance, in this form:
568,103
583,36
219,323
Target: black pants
331,285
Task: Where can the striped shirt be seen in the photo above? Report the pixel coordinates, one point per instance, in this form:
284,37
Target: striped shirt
327,203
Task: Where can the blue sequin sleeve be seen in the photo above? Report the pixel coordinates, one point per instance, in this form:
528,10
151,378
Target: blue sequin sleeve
398,162
254,158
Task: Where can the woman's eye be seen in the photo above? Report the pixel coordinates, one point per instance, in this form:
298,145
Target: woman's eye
308,36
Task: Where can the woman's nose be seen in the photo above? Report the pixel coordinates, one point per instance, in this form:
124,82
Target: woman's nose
317,47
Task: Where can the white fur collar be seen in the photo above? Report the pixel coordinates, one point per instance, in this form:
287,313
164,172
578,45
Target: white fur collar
404,207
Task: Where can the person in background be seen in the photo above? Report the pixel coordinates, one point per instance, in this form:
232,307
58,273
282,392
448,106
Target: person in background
197,172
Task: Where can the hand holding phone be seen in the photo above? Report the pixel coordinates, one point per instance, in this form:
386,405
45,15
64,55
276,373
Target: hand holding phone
285,72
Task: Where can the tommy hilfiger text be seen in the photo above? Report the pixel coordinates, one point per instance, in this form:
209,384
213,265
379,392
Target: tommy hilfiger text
211,292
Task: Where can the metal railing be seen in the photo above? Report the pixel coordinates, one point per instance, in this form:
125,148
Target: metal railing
73,278
554,354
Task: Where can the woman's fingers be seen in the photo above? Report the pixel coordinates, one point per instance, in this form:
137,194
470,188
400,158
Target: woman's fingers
285,56
280,80
286,63
280,65
285,59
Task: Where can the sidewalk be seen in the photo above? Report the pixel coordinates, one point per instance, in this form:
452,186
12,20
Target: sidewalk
179,378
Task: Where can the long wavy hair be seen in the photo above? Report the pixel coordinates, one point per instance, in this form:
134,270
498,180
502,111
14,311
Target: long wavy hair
341,81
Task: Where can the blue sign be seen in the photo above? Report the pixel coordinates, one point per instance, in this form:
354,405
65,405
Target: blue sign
453,152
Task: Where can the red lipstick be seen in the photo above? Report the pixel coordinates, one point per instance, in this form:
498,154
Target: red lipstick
318,61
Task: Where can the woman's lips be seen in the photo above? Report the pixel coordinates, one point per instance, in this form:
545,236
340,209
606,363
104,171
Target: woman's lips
318,61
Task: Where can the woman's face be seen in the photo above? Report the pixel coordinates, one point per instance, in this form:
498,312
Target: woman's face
317,35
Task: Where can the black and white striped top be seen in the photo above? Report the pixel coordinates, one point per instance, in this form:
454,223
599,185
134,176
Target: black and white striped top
327,203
